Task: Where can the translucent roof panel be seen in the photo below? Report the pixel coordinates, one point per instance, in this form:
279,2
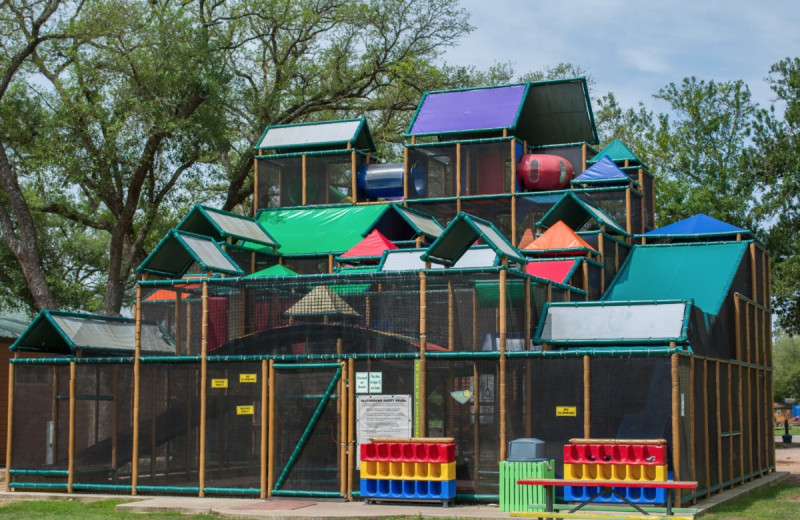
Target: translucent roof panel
459,236
220,225
411,260
575,212
425,223
209,254
178,250
633,323
316,136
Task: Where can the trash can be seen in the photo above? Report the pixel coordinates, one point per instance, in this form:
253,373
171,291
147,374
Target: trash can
525,460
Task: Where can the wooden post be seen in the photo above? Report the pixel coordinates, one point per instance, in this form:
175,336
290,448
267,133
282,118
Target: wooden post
458,177
705,428
264,427
351,414
503,333
405,173
71,444
451,326
586,279
729,398
628,216
692,433
741,420
204,387
136,389
512,190
353,176
583,157
587,399
476,418
10,424
114,416
600,249
271,430
750,422
343,429
303,179
423,347
737,325
676,422
719,423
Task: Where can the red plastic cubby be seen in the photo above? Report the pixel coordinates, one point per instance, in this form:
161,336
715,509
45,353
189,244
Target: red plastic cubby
615,454
408,452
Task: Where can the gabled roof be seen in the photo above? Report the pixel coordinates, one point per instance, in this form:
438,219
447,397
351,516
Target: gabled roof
372,246
324,135
411,259
542,113
603,172
321,301
559,271
698,226
178,250
618,152
12,324
560,240
527,238
576,212
221,225
632,323
319,230
273,271
398,222
459,236
702,272
60,332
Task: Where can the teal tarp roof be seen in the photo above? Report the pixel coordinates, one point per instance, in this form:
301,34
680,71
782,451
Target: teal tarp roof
324,135
60,332
618,152
220,225
576,212
702,272
459,236
319,230
178,250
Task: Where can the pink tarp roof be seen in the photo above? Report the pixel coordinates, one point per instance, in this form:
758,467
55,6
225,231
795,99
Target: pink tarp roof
553,270
372,246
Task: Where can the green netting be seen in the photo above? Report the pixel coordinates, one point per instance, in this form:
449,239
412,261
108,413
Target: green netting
320,230
702,272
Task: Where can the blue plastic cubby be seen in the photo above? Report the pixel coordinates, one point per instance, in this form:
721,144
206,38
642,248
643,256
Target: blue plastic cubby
408,489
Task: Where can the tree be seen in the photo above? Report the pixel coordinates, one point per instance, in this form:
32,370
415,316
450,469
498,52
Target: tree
699,155
786,360
776,161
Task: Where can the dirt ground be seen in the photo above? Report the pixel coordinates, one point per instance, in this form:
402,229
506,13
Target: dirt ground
787,458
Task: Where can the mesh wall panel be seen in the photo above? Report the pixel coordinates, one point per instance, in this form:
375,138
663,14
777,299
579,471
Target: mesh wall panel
438,162
687,471
443,210
713,426
40,408
613,202
103,422
269,184
700,419
316,467
496,209
725,422
233,425
649,204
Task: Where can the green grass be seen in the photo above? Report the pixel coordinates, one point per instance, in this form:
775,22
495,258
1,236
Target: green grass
778,502
100,510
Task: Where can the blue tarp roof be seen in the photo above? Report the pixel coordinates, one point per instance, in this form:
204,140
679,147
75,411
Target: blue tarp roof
603,171
696,225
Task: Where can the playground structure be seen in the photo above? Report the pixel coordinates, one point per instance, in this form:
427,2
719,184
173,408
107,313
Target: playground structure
477,309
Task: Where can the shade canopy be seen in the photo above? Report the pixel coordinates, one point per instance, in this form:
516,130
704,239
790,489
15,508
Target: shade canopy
411,259
372,246
559,271
542,113
325,135
59,332
222,225
603,172
702,272
618,152
462,233
698,226
178,251
575,212
614,323
561,240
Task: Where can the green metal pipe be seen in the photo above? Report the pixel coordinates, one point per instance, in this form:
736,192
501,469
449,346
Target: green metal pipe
168,489
305,396
41,361
307,433
102,487
466,354
41,472
35,485
231,491
169,359
477,498
321,494
301,366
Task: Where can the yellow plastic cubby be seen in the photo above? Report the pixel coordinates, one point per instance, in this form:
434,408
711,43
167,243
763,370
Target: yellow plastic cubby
436,471
633,472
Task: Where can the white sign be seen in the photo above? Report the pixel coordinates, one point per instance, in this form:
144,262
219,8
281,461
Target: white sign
375,382
382,416
362,382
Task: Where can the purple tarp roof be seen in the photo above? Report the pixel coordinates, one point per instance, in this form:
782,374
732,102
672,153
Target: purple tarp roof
467,110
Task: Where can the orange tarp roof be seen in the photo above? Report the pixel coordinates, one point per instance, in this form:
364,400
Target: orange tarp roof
527,238
558,237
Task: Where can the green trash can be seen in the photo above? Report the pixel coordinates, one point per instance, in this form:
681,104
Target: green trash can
514,497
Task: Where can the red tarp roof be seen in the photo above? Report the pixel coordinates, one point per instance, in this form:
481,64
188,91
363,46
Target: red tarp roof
553,270
372,246
559,237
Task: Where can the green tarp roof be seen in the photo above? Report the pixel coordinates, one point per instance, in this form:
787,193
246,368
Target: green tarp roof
576,212
459,236
618,152
60,332
272,271
699,272
319,230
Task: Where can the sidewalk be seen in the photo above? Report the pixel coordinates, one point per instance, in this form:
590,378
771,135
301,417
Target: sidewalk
327,509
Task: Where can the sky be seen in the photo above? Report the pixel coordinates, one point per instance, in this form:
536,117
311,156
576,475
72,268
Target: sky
634,48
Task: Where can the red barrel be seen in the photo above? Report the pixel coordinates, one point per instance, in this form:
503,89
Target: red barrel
544,172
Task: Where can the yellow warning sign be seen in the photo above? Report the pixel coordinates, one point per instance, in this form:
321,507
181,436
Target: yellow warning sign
566,411
219,383
245,410
248,378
